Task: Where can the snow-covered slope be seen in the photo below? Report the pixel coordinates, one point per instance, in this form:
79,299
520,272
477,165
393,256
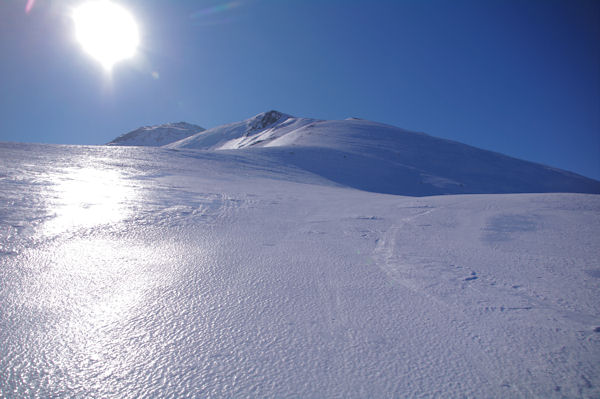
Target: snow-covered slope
155,136
132,272
376,157
256,131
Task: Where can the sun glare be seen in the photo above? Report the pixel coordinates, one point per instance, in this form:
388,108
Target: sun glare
106,31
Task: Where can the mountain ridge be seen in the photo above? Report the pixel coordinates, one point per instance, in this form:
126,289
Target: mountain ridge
378,157
157,135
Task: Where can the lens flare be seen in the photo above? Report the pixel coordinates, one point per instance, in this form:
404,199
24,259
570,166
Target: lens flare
216,9
29,6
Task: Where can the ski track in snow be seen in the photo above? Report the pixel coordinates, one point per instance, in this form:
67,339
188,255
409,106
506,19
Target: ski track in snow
152,273
414,273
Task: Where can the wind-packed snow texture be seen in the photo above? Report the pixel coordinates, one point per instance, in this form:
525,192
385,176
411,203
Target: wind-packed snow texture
155,136
132,272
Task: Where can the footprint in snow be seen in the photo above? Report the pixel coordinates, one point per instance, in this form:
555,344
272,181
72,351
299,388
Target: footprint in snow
473,277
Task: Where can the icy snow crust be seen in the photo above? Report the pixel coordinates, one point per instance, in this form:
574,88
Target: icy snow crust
155,136
132,272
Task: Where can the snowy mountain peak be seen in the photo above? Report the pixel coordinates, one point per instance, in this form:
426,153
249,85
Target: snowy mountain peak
368,155
258,131
159,135
377,157
264,120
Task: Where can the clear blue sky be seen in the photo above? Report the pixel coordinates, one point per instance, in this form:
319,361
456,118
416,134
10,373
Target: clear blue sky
521,77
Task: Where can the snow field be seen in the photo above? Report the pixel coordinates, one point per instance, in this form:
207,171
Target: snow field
132,272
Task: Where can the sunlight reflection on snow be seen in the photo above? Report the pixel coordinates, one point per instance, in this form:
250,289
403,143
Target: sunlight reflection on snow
93,287
94,282
85,197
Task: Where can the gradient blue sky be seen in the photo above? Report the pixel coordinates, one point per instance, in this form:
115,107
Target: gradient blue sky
521,77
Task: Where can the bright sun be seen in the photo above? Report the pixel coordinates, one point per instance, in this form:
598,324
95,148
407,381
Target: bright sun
106,31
